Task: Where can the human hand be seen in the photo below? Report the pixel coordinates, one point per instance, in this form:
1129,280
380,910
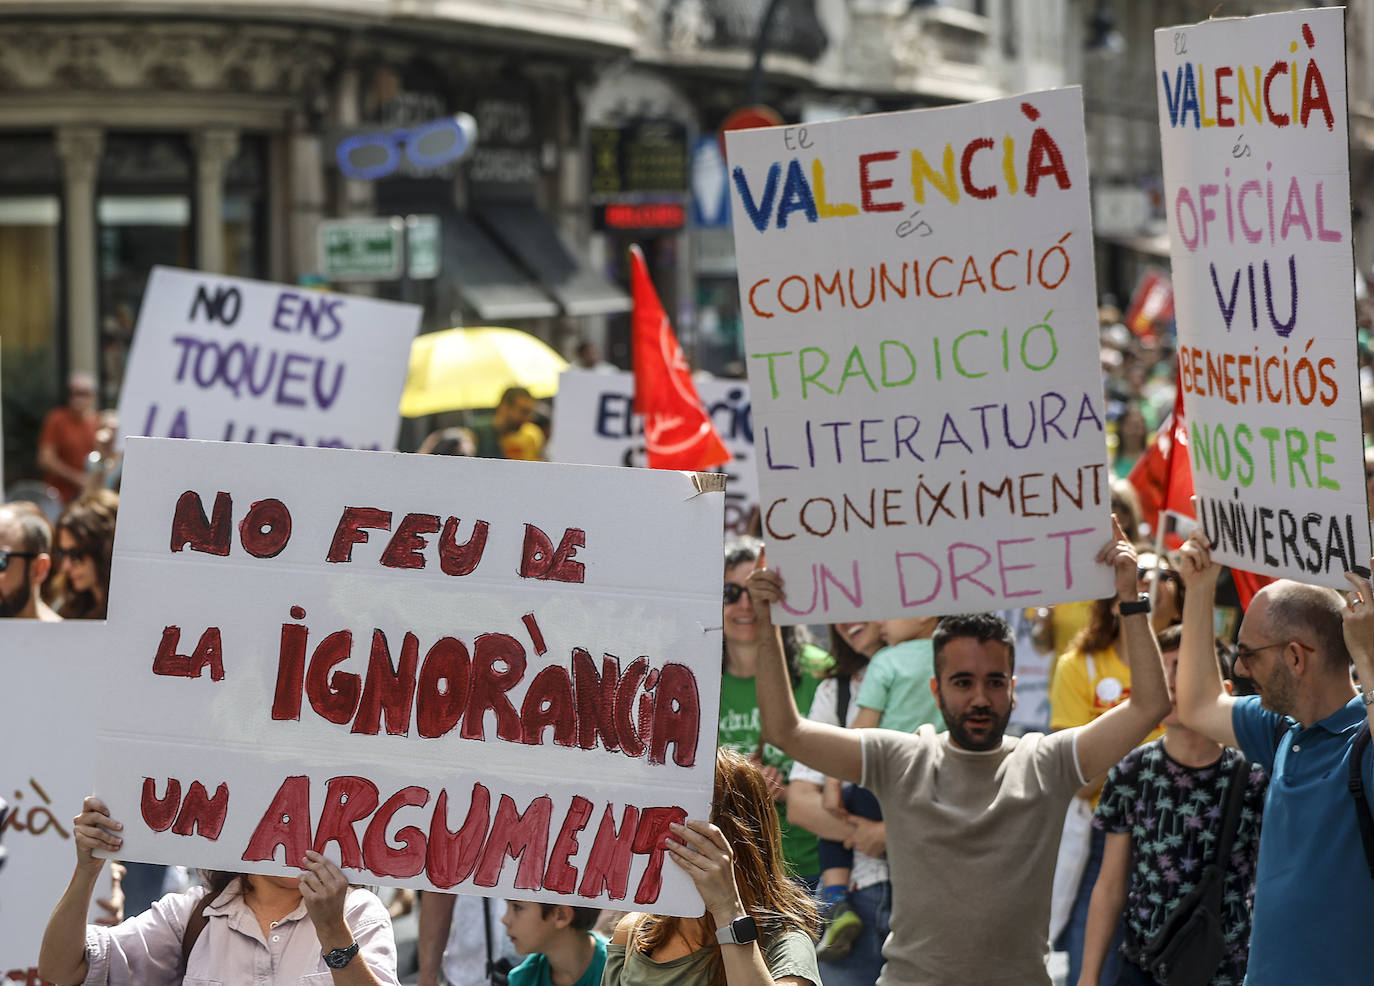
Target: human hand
703,853
868,837
832,796
113,905
1357,624
1195,565
323,889
765,589
777,785
95,829
1120,554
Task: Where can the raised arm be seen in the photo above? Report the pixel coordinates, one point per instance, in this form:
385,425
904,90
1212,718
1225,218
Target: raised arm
834,751
1203,703
1358,623
62,956
1105,740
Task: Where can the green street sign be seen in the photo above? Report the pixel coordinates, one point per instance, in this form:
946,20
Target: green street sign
361,249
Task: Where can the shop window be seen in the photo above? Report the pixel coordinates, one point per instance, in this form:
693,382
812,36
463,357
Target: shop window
245,210
143,214
29,313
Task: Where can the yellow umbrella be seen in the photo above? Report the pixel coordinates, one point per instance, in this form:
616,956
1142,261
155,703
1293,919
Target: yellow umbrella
458,369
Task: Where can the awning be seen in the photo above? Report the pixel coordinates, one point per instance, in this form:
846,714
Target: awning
488,282
531,238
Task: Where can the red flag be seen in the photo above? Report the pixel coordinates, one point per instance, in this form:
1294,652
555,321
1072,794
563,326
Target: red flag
1163,479
1152,302
678,432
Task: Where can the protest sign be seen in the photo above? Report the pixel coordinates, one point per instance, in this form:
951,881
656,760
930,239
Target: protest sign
921,331
234,360
425,666
50,677
1252,118
594,423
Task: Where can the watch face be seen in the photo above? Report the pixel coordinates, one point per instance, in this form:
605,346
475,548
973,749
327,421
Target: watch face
744,930
340,957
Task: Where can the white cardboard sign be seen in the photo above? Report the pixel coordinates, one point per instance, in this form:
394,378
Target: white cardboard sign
1252,118
489,677
51,677
235,360
594,423
921,329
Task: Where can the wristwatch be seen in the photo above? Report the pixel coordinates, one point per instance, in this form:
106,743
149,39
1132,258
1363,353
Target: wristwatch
337,958
1131,608
740,931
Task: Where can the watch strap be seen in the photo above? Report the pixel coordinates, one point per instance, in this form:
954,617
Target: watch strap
337,958
1135,606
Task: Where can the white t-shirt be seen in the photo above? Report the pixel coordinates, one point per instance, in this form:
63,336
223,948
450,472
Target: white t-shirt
465,955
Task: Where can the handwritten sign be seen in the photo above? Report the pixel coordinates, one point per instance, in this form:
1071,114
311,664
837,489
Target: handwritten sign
52,675
1256,169
230,359
922,348
594,423
425,666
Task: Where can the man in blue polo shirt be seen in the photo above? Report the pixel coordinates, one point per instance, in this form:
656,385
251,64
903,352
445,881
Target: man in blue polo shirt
1314,896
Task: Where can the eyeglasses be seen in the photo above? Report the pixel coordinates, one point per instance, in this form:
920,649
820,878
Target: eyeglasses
73,555
1244,653
1165,574
5,557
733,590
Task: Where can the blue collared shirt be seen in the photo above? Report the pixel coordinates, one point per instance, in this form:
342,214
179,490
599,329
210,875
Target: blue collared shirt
1314,897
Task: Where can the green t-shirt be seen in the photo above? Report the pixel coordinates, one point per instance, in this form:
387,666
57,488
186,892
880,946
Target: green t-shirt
741,730
534,971
791,953
897,684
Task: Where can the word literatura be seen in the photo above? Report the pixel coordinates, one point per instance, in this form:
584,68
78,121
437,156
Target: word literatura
982,174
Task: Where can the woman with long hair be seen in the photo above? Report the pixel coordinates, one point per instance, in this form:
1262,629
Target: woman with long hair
85,545
759,926
239,928
740,729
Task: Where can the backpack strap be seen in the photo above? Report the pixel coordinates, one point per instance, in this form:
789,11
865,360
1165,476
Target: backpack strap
195,924
1356,785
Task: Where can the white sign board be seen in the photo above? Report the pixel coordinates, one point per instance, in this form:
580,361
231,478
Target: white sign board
230,359
1252,117
427,667
921,330
594,423
51,677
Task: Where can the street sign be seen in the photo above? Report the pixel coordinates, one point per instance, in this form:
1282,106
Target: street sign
372,249
361,249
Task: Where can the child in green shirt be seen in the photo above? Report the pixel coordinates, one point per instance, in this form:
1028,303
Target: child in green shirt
557,940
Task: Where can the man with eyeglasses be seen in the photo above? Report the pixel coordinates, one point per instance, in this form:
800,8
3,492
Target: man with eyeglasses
25,560
1314,894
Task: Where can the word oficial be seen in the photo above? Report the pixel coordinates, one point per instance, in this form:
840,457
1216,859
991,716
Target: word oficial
266,528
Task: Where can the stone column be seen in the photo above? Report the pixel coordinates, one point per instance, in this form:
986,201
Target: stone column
214,149
80,149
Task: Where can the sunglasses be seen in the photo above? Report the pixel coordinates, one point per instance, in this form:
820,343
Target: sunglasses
5,557
1167,574
74,555
733,590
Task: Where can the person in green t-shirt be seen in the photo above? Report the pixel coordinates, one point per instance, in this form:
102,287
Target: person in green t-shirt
557,940
740,728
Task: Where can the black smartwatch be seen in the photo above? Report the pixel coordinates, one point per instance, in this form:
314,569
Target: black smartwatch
337,958
740,931
1141,605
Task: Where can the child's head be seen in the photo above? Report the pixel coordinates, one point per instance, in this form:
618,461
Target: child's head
908,628
532,927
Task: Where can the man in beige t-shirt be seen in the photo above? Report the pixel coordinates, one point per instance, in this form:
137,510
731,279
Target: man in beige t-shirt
973,816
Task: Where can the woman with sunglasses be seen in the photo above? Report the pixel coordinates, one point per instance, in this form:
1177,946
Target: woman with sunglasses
740,728
85,544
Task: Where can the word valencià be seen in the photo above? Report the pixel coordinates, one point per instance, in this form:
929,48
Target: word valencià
982,174
1260,90
265,530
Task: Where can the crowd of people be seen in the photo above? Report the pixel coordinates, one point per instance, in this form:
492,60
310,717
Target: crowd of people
873,818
